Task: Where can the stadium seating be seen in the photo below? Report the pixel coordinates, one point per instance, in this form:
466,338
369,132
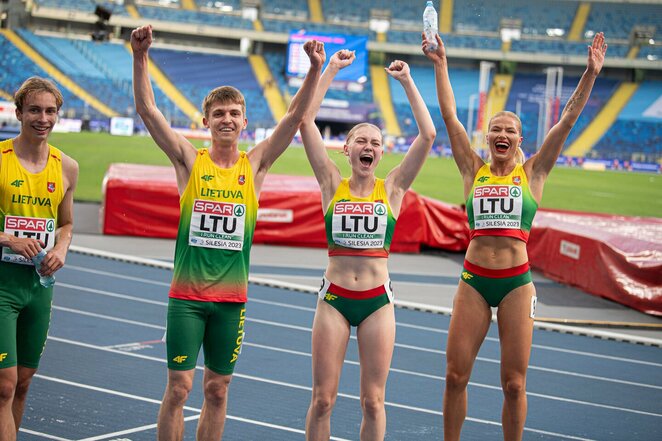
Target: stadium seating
616,20
102,69
637,131
83,6
15,67
536,15
212,70
197,17
527,94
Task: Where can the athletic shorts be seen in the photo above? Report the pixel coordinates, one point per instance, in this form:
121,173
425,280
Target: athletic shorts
494,285
216,326
25,315
355,306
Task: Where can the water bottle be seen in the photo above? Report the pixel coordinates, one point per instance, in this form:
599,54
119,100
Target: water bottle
46,281
430,26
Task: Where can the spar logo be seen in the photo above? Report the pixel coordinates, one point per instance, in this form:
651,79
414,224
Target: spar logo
515,192
492,191
29,224
361,208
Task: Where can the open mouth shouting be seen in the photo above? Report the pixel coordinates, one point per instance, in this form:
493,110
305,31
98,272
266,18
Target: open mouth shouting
501,146
366,159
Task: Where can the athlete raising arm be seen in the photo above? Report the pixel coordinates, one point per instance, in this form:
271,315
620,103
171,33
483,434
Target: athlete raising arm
502,198
210,280
356,290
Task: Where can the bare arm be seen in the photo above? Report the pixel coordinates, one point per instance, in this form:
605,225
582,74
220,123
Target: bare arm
178,149
55,258
540,164
468,162
326,171
402,176
265,153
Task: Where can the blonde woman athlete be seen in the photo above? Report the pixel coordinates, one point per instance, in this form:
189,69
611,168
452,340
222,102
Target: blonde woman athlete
502,198
360,215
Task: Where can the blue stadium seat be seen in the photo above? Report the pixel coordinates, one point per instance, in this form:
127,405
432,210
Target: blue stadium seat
212,70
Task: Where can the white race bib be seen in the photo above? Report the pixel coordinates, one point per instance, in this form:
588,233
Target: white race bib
42,229
497,206
359,224
217,225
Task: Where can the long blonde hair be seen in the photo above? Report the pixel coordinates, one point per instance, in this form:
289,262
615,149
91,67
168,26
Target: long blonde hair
519,157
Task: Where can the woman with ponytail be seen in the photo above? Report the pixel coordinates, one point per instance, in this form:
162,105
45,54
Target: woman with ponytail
502,198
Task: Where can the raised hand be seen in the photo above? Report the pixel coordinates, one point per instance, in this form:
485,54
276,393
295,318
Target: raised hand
315,51
596,54
141,38
398,69
436,55
342,58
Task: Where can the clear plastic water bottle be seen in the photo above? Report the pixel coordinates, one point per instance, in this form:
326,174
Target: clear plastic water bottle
46,281
430,26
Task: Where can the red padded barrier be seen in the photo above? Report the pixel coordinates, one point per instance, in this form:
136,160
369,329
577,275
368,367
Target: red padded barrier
142,200
616,257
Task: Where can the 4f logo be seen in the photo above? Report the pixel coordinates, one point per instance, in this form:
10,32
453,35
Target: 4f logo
207,178
17,183
4,354
483,179
330,297
466,275
180,359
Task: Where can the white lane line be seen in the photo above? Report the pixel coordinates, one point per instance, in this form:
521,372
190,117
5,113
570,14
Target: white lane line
402,371
397,345
157,402
132,430
42,434
306,388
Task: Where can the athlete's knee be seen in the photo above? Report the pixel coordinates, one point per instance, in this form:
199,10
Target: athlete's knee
22,387
372,405
177,392
514,386
455,380
216,391
322,403
7,391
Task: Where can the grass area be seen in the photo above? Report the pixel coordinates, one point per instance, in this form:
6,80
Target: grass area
632,194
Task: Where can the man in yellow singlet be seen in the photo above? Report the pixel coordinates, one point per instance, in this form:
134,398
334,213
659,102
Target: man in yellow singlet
219,188
37,183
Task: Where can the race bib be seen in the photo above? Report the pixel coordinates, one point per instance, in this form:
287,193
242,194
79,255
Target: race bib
497,206
359,224
42,229
217,225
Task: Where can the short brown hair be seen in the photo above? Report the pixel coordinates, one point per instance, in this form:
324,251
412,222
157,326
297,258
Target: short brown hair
35,85
354,129
223,94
